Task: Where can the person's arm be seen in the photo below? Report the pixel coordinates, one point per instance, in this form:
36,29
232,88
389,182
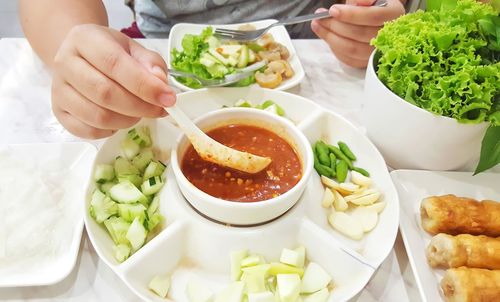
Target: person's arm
46,23
103,81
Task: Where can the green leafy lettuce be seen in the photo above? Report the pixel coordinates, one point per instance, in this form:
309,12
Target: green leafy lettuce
446,61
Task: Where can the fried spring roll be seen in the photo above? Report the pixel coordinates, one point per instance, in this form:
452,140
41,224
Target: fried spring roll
471,285
458,215
464,250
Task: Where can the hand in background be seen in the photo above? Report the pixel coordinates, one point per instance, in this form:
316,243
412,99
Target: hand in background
349,31
104,81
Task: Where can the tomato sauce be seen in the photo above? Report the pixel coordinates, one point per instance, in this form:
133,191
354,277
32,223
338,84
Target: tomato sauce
281,175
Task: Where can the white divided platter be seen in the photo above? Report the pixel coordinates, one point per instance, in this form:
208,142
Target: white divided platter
413,186
193,246
279,33
48,186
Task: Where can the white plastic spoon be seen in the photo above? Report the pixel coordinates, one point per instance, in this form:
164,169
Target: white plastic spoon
215,152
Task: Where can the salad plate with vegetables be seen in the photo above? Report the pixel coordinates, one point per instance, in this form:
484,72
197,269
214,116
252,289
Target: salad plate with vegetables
325,248
194,48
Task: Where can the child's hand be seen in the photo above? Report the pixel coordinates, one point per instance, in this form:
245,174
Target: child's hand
352,26
104,81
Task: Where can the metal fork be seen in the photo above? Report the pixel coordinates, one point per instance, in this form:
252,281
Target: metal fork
227,80
252,35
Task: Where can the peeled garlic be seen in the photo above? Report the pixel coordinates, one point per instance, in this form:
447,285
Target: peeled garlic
347,188
332,184
339,202
360,194
378,206
328,198
367,199
360,179
346,225
368,217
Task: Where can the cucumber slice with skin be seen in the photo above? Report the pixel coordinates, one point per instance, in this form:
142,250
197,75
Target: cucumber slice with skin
130,148
315,278
136,234
152,185
121,252
117,228
233,293
153,221
141,136
155,168
130,211
142,160
102,207
104,173
126,192
105,187
136,179
154,205
124,167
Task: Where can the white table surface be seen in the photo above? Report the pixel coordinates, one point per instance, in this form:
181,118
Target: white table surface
26,117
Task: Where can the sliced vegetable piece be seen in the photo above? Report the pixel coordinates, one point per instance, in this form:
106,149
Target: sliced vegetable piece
328,198
346,225
142,160
378,206
105,187
233,293
301,250
155,168
368,217
319,296
160,285
277,268
251,260
124,167
254,282
339,202
121,252
130,148
154,205
291,257
152,185
117,228
141,136
126,192
236,258
136,179
104,173
136,234
315,278
266,296
154,220
198,292
102,207
360,179
131,211
288,287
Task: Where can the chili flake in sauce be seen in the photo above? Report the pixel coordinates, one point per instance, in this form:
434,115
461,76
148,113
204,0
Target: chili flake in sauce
280,176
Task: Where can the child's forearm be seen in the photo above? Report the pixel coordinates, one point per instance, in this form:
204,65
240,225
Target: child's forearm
46,23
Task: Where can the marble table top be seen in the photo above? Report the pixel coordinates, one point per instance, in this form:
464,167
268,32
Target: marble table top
26,117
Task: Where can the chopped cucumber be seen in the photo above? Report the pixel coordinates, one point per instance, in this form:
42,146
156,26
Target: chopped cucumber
290,257
236,258
315,279
319,296
160,285
130,148
141,136
130,211
136,234
280,268
251,260
136,179
126,192
153,221
152,185
117,228
266,296
254,283
142,160
301,250
121,252
288,287
104,173
105,187
155,168
124,167
154,205
233,293
102,207
198,292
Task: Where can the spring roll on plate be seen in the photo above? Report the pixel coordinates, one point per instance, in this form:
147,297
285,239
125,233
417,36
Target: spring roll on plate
464,250
459,215
471,285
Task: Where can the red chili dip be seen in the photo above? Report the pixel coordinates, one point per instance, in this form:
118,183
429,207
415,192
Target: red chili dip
281,175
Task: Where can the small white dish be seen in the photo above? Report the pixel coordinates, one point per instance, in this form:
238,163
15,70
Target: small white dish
413,186
245,213
61,170
279,33
410,137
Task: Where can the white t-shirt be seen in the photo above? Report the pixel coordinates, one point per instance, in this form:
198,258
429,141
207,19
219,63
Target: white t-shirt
155,18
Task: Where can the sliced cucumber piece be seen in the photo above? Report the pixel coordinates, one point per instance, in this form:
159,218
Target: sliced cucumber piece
301,250
121,252
105,187
153,221
236,258
160,285
124,167
280,268
102,207
319,296
233,293
136,234
104,173
142,160
288,287
136,179
266,296
126,192
117,228
198,292
130,211
141,136
315,278
154,205
290,257
152,185
254,283
252,260
130,148
155,168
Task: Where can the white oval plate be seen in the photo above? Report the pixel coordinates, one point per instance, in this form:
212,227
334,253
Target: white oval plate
279,33
63,168
192,245
413,186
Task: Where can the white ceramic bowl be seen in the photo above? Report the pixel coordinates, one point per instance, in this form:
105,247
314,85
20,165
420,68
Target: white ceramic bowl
245,213
412,138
